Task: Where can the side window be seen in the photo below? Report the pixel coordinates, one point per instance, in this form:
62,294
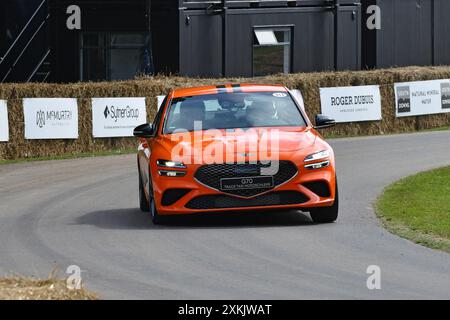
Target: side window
158,116
173,115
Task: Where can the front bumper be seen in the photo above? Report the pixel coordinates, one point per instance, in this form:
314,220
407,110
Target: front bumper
281,197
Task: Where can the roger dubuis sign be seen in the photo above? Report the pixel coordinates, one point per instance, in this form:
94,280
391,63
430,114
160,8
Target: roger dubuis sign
351,104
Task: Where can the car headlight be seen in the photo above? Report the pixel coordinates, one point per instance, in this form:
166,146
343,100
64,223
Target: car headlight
318,156
170,164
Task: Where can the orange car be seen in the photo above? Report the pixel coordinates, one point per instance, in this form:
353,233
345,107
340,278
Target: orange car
235,148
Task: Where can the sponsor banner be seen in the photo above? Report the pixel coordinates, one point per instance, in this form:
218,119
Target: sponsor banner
351,104
298,97
50,118
422,97
4,129
117,117
160,100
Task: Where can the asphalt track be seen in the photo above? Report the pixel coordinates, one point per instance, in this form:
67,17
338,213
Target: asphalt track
85,212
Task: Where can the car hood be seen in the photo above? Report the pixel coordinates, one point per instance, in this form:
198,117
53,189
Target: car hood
239,141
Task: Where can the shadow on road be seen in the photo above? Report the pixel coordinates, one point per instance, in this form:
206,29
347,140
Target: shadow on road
126,219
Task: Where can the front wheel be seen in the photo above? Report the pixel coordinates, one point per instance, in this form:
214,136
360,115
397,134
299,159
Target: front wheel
326,214
143,203
156,218
148,206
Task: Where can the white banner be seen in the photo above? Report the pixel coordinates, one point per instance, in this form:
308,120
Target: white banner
117,117
51,118
4,129
351,104
297,94
160,101
422,97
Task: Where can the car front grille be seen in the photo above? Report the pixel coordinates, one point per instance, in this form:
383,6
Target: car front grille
226,201
210,175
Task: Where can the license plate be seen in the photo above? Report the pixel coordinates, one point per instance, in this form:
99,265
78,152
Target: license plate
228,184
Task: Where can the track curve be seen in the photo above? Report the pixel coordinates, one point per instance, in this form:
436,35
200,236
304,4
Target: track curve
85,212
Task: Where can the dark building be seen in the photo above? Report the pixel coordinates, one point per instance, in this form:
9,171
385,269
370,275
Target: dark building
414,32
120,39
252,38
113,42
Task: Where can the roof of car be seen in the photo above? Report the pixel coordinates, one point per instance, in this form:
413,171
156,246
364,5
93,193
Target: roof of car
227,88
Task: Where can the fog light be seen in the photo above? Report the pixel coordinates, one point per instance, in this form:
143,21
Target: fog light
167,173
319,165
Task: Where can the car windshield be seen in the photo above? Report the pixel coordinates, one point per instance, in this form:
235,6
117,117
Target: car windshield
233,110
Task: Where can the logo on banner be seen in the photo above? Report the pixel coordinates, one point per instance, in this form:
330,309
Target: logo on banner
404,99
445,95
116,113
55,116
106,112
40,118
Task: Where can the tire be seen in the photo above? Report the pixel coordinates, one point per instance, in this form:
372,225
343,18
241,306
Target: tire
143,203
327,214
148,206
156,218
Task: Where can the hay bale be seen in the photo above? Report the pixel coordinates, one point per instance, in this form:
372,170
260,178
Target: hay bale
150,87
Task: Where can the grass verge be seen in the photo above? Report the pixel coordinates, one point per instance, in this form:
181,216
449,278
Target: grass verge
72,156
418,208
339,136
23,288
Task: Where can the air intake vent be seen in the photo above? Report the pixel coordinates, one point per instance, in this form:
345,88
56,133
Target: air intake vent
225,201
319,187
171,196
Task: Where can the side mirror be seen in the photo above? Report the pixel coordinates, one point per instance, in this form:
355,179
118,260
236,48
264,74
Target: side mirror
324,122
143,131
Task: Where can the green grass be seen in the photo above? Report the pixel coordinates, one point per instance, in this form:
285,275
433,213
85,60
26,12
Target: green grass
338,136
418,208
439,129
72,156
